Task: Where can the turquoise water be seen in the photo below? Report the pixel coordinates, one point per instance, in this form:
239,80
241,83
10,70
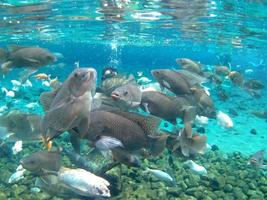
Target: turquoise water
139,36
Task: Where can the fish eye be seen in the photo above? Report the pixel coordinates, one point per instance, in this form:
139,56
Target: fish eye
125,93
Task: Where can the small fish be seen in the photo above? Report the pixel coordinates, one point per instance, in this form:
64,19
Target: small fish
35,190
143,80
46,83
16,83
257,158
106,143
249,71
161,175
42,76
3,108
10,93
198,169
17,147
28,83
32,105
202,120
18,175
224,120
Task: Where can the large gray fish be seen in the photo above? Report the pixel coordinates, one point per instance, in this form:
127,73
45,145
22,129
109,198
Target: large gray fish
177,81
133,136
71,106
168,108
31,57
189,64
172,80
21,126
128,95
42,160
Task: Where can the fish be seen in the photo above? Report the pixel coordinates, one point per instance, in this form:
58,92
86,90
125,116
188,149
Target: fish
42,160
172,80
143,80
17,147
128,95
106,143
108,85
127,158
21,126
77,159
260,114
222,70
190,143
6,150
168,108
189,65
8,93
256,159
201,120
52,185
84,183
18,175
71,105
161,175
253,84
236,78
3,55
127,131
204,101
31,57
198,169
224,120
42,76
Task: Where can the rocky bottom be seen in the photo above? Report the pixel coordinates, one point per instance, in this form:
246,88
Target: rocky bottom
228,178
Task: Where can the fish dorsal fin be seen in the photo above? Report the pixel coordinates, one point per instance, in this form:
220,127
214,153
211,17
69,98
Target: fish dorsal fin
188,130
149,124
12,48
46,98
192,78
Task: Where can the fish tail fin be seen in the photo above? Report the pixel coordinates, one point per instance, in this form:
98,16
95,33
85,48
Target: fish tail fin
157,144
199,143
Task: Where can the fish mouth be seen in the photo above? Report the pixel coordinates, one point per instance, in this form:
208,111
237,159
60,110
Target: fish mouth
115,96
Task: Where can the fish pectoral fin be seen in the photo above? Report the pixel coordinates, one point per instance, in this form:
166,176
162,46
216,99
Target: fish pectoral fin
157,143
33,61
12,48
83,127
185,150
5,67
46,99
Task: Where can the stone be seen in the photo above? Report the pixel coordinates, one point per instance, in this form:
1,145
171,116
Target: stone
228,188
253,131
